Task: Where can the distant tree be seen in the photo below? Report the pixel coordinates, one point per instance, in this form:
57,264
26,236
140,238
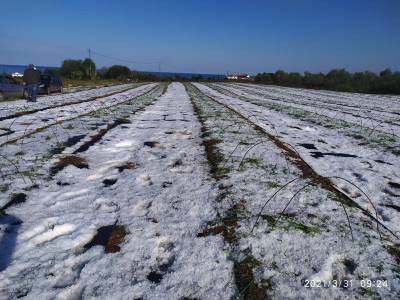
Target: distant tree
196,78
265,78
72,69
388,82
365,82
89,68
51,71
280,77
118,72
339,80
315,81
294,80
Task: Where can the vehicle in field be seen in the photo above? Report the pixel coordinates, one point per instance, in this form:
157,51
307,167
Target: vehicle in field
10,88
49,84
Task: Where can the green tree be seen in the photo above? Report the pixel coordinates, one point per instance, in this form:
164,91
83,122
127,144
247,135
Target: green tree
72,69
89,68
118,72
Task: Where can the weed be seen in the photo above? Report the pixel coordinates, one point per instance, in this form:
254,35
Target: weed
4,188
274,185
214,158
397,271
394,251
302,227
369,292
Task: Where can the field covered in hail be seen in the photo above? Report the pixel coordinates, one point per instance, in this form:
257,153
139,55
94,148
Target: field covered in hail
200,191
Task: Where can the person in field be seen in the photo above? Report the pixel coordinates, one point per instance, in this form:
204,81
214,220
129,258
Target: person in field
31,81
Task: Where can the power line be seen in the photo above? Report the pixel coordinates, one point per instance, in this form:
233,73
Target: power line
157,63
123,60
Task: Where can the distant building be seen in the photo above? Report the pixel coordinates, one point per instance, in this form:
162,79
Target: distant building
242,76
16,74
231,77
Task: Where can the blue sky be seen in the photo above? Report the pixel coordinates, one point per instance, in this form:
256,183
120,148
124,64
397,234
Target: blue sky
205,36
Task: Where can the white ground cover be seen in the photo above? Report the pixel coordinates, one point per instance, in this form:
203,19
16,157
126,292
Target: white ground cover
372,111
163,201
187,195
8,108
24,164
26,124
311,240
376,172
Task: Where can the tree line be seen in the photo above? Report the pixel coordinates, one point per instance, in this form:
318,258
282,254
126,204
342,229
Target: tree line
86,70
386,82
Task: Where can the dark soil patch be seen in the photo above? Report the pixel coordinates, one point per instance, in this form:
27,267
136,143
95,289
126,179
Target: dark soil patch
15,198
166,184
155,277
65,161
394,185
226,232
395,207
97,137
109,182
109,236
7,131
61,183
350,265
151,144
382,162
317,154
177,163
359,177
245,282
127,166
389,192
308,146
74,140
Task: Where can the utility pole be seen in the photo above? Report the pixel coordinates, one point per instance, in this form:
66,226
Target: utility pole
90,66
